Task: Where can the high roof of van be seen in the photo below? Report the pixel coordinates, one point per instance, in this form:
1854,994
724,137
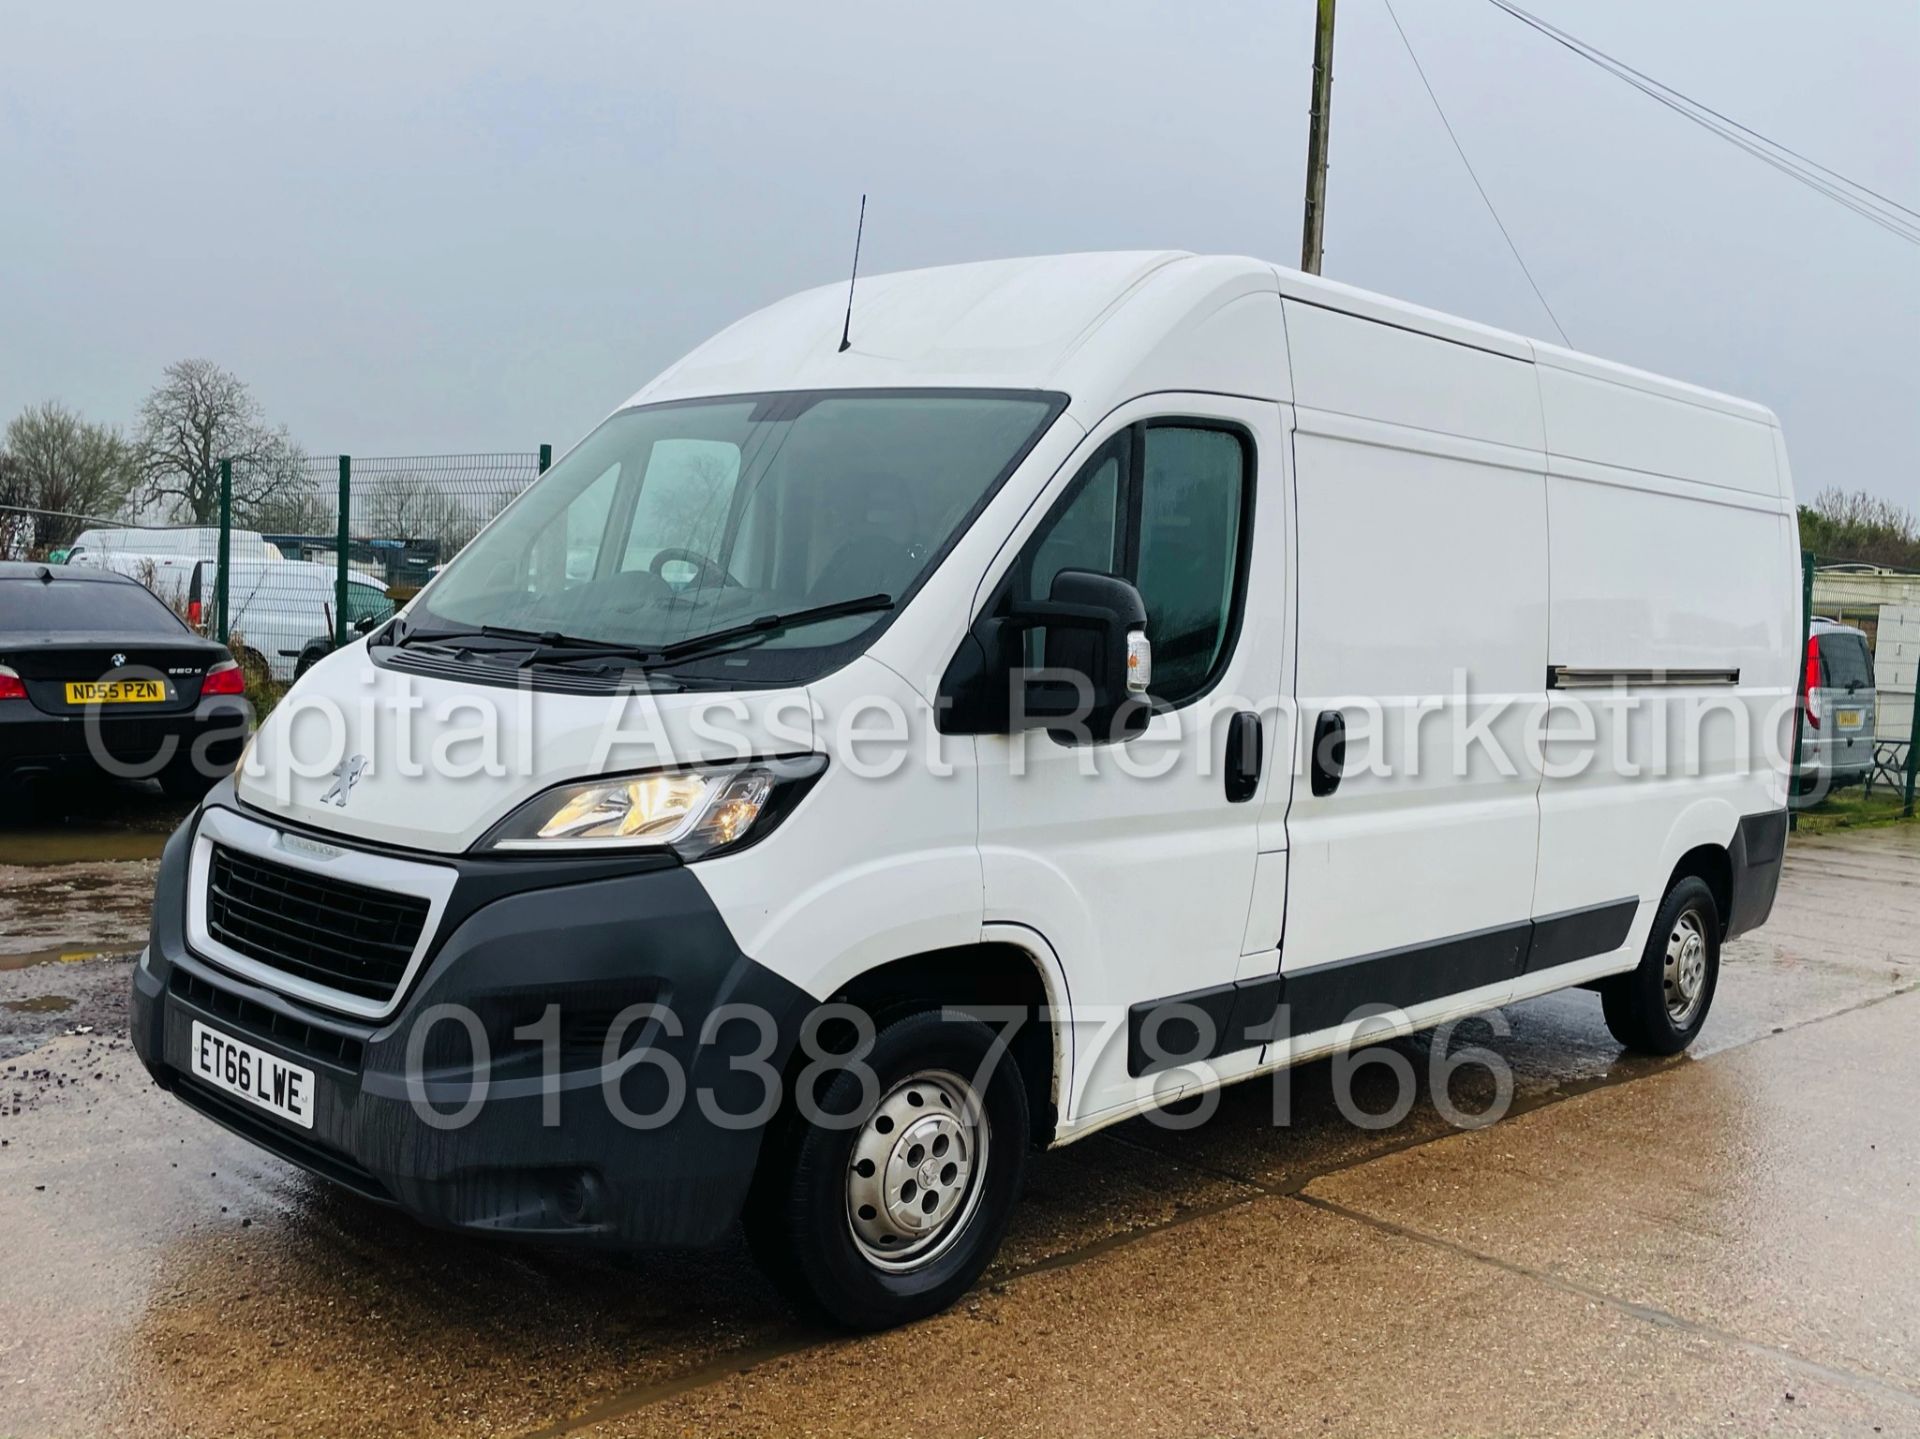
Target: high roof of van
1027,323
172,540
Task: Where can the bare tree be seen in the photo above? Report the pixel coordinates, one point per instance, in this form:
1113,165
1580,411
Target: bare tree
67,469
1843,525
197,416
16,525
297,507
1856,509
411,507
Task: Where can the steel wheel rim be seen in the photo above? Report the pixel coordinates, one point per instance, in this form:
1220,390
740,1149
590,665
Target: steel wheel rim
917,1170
1683,975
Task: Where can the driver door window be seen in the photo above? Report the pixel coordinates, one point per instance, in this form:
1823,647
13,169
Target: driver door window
1163,504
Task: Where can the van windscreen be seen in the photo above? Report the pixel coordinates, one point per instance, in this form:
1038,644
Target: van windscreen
677,520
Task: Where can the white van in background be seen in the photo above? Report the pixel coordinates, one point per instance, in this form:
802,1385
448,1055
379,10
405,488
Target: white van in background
1107,678
275,607
163,558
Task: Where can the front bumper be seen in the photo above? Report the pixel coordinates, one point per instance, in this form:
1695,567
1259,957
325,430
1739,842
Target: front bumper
546,1155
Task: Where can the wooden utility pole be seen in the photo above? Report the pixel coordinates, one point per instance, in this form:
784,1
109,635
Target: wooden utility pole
1315,224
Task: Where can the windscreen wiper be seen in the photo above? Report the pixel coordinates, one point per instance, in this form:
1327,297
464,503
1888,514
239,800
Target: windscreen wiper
765,627
525,649
544,643
405,633
550,646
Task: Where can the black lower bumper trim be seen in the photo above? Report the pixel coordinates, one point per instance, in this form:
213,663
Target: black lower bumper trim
279,1140
1757,855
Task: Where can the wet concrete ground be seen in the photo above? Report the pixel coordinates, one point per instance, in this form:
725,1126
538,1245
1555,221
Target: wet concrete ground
1728,1242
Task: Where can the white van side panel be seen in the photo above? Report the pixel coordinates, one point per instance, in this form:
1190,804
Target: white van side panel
1683,561
1375,371
1652,574
1423,615
1423,584
1618,417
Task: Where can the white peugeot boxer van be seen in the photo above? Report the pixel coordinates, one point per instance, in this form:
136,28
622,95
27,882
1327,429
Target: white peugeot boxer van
1102,679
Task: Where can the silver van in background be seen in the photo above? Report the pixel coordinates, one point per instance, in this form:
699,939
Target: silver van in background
1836,743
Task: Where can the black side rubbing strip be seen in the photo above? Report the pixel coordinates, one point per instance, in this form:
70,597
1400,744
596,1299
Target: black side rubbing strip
1325,995
1165,1033
1576,934
1206,1023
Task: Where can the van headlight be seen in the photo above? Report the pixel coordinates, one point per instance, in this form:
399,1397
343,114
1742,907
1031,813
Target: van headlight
693,812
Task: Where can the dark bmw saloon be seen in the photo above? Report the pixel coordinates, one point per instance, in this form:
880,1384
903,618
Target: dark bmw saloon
99,677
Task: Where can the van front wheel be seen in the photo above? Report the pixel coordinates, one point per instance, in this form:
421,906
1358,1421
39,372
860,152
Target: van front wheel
886,1204
1659,1007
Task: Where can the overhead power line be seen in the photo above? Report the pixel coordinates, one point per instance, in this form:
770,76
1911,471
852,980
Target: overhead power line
1863,200
1485,199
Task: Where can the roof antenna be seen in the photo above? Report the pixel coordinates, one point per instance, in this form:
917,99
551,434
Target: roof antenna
847,328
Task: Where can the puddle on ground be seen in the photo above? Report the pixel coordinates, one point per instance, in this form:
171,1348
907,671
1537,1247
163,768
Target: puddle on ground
65,845
39,1004
66,956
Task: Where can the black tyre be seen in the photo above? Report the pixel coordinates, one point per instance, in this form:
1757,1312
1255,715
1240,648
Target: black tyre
887,1205
1659,1007
310,655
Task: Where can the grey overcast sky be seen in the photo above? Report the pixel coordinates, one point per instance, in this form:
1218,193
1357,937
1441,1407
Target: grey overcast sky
428,227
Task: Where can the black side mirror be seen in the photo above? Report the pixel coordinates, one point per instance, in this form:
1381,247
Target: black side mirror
366,624
1093,684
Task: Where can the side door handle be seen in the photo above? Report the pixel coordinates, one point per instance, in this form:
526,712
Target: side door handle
1244,747
1329,752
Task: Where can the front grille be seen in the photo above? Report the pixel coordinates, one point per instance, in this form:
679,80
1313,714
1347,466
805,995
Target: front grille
344,936
257,1021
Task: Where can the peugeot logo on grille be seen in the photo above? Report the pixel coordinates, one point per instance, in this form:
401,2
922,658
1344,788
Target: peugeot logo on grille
346,775
119,661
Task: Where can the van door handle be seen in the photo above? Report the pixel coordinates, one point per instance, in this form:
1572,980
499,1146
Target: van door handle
1243,756
1329,752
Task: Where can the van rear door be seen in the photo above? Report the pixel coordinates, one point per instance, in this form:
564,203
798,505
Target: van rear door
1847,701
1847,675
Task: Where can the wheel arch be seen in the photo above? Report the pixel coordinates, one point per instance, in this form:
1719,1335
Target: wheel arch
1713,864
1700,843
1007,967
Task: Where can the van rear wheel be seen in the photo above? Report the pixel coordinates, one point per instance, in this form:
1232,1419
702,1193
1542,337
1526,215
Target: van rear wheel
1660,1006
877,1213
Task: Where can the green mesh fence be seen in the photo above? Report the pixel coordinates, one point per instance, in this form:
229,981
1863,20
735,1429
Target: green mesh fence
320,547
